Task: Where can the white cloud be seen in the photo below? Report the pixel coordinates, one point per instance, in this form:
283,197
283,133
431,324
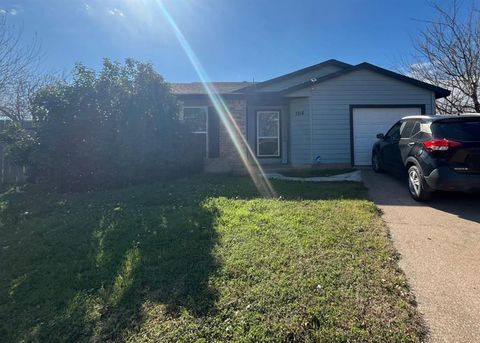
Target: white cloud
417,69
11,11
115,12
87,7
421,65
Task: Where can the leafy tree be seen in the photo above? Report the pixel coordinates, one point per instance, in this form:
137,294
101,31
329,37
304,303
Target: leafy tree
113,128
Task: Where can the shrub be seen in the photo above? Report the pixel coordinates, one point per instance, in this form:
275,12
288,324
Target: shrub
113,128
18,141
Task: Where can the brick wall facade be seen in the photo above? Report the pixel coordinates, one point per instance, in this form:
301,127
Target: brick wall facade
229,160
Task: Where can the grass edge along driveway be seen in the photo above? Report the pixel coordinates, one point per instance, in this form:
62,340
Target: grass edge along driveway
201,260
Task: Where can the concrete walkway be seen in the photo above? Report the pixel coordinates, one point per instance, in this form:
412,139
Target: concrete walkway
440,247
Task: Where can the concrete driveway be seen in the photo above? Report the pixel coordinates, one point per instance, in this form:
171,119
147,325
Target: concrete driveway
439,243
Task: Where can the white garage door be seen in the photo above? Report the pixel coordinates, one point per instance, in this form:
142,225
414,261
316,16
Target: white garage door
367,122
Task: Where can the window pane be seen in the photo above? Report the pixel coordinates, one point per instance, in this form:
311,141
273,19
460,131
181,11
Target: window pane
462,130
196,118
416,129
268,147
394,132
407,129
268,123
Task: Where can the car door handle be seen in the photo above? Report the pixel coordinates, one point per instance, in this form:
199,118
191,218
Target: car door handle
411,144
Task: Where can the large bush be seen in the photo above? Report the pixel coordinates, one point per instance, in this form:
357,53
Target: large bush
116,127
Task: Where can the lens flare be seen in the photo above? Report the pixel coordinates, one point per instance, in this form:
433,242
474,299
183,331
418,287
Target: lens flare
241,145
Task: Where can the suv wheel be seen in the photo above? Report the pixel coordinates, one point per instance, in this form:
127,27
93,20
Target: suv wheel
376,166
416,184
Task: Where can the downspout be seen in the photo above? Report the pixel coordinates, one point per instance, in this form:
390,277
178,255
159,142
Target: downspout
286,132
311,124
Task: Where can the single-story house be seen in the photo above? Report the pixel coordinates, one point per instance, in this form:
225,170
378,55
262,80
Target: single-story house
327,114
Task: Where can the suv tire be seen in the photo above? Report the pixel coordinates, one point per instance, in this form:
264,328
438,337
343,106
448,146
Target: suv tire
416,184
376,166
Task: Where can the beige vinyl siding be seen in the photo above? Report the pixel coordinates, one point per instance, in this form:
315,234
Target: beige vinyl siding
330,108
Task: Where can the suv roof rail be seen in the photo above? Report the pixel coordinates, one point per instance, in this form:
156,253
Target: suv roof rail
443,116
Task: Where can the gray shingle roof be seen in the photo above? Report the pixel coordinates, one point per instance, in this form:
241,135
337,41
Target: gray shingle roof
245,87
197,87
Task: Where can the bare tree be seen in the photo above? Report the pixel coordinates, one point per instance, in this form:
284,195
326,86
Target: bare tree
448,55
18,72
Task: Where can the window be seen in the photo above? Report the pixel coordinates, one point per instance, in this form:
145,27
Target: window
416,129
196,119
394,132
410,129
462,130
268,133
406,131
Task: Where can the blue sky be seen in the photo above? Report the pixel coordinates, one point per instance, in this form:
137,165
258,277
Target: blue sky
235,40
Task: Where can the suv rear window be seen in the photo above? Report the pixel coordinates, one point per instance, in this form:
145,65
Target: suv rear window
457,130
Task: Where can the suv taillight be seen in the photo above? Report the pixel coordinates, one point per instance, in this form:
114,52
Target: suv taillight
440,145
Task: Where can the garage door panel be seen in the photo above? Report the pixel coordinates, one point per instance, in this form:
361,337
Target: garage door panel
368,122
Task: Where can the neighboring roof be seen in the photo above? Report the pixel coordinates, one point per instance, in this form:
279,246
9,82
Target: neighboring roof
198,88
439,92
331,62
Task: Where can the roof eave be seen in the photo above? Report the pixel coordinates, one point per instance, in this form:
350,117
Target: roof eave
439,92
332,61
199,95
443,94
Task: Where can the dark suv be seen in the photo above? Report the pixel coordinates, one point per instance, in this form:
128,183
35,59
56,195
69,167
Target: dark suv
437,152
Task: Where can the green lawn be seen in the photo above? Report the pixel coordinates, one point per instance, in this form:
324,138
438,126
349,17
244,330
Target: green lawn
314,172
201,260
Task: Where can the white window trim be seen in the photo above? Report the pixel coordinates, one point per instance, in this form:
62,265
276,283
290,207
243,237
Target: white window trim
269,137
206,126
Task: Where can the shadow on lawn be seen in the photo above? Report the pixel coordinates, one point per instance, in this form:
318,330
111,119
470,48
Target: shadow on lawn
83,275
79,267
